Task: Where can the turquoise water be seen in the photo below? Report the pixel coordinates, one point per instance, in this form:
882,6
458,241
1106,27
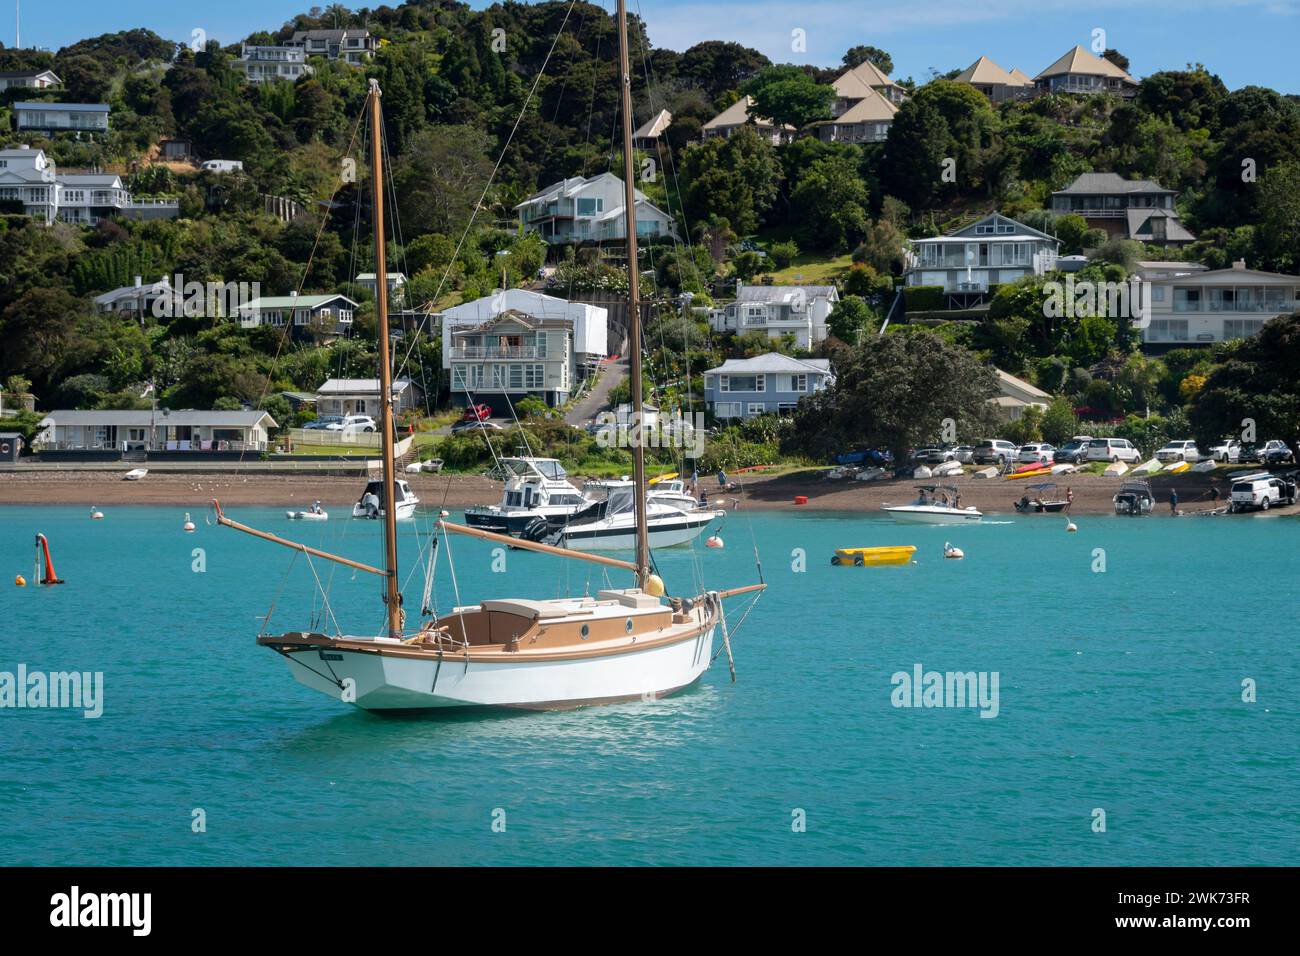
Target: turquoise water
1119,690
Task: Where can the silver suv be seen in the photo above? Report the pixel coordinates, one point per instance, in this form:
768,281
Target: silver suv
990,451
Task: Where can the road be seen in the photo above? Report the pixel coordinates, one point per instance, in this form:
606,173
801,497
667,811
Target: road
597,399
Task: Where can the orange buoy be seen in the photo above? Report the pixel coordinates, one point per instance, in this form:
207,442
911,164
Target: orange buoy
43,548
713,541
801,499
20,581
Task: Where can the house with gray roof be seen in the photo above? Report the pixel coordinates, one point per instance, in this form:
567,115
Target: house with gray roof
1139,209
62,117
1078,71
360,396
590,209
769,383
307,316
29,80
353,46
968,263
28,176
512,355
778,310
138,300
156,430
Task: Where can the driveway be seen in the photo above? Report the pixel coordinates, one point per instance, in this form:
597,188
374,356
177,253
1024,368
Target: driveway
597,400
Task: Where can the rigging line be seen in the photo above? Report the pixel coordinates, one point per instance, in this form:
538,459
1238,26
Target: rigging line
455,586
329,610
266,621
501,158
733,631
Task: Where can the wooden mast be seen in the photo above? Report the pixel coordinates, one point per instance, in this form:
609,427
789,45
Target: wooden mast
633,310
392,593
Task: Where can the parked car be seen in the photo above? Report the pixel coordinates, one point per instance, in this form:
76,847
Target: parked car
473,425
934,454
1112,450
1250,453
476,413
1037,451
1227,451
1260,492
1181,450
1277,453
963,453
323,422
360,423
990,451
1072,452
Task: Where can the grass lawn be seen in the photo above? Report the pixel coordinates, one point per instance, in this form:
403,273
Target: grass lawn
810,270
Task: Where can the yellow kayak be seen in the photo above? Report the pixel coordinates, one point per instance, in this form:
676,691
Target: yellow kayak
874,557
1177,467
668,477
1036,473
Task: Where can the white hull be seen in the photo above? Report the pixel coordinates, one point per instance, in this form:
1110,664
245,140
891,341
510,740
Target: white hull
401,683
620,534
931,515
307,515
405,510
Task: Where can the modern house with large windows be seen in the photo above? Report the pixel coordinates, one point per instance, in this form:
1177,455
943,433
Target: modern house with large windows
511,356
62,117
590,323
743,388
1217,305
971,261
162,430
353,46
267,64
1139,209
590,210
777,311
28,176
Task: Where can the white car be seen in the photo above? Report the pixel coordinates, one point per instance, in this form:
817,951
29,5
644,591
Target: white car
994,451
1039,452
1112,449
356,423
1258,491
1179,451
1228,450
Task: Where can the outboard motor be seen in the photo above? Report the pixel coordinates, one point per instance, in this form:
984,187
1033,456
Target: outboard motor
536,530
370,502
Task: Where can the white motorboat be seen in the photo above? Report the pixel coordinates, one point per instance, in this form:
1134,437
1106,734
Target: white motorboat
670,492
536,489
609,523
935,504
371,503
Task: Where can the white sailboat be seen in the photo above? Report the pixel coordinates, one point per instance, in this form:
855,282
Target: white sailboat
621,644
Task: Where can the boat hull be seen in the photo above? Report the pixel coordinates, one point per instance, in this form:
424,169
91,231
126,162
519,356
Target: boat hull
925,516
405,511
395,683
662,534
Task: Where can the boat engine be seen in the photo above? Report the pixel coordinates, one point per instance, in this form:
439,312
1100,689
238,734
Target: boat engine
536,530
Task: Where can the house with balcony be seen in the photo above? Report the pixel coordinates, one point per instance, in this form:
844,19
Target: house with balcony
1216,305
860,114
268,64
138,300
27,176
740,113
1139,209
648,134
993,81
306,316
353,46
590,323
590,210
512,356
1078,71
155,430
770,383
360,396
970,262
29,80
61,117
777,311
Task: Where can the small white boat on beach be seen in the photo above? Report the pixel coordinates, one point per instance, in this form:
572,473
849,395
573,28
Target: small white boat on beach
1149,467
936,504
135,474
948,469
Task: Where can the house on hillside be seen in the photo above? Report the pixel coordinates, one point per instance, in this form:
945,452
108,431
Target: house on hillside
647,135
1216,305
28,176
1015,396
740,113
138,300
353,46
268,64
589,323
62,117
1078,71
968,263
360,396
865,103
396,285
993,81
743,388
29,80
157,430
509,357
778,310
308,316
590,210
1139,209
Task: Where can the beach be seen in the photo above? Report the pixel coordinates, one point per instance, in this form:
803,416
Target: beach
195,491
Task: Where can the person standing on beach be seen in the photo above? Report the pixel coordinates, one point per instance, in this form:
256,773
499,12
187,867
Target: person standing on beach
722,477
1069,497
1173,501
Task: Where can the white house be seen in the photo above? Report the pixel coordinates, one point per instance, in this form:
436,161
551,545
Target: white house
360,396
1198,308
396,284
740,113
330,314
647,135
138,300
353,46
510,356
62,117
1015,396
743,388
968,262
266,64
29,80
156,430
778,310
590,210
29,177
590,323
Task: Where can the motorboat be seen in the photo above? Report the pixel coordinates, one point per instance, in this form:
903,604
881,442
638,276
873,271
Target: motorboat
609,522
669,491
935,504
371,503
1134,498
874,557
535,488
1041,498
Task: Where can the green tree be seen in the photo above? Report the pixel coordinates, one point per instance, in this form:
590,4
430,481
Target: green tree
789,96
735,178
850,317
857,55
830,205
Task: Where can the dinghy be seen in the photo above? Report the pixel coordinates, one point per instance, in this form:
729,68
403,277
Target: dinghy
135,474
1177,467
1115,469
1148,467
1203,466
948,469
873,557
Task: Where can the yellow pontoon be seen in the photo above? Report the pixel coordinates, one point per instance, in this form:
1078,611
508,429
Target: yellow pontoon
874,557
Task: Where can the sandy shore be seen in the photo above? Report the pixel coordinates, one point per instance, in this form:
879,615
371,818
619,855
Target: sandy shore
1092,493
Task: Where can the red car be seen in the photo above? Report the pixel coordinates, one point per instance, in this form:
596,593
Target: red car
477,413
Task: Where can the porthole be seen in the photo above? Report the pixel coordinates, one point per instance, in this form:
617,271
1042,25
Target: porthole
586,630
628,626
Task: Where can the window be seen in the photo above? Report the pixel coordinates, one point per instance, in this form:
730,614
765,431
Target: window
345,316
590,207
1241,328
726,409
756,408
786,408
534,376
742,383
1187,300
1168,330
798,383
516,376
1157,293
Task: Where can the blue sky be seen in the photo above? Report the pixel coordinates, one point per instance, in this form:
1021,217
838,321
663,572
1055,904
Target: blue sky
1244,41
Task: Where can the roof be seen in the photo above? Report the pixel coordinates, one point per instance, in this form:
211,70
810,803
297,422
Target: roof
872,107
1023,233
851,86
1007,380
869,73
1137,219
64,107
571,187
146,417
737,114
391,275
20,74
133,291
292,301
773,362
1080,61
985,72
1108,184
324,34
523,318
1021,77
91,179
654,126
350,386
1236,270
782,293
